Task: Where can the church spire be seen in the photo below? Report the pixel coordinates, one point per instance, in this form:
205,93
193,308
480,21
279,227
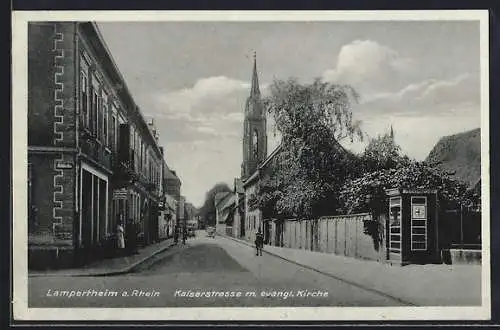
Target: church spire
255,91
392,133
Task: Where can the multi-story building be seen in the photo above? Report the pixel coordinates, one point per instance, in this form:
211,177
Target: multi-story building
170,216
172,185
171,192
93,160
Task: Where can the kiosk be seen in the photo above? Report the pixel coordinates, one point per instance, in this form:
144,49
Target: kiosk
412,226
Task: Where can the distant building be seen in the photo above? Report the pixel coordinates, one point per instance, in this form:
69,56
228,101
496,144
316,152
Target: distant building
223,211
239,209
170,216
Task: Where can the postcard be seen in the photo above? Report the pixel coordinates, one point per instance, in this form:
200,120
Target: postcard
293,165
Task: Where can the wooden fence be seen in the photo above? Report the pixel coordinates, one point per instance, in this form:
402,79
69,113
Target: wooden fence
357,235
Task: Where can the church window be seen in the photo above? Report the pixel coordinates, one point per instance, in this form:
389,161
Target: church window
255,143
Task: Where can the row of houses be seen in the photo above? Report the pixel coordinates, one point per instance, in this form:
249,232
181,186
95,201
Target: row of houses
93,158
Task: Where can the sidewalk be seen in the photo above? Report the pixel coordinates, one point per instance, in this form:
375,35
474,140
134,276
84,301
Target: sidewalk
421,285
113,266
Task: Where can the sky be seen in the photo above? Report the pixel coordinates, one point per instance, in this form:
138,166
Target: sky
421,77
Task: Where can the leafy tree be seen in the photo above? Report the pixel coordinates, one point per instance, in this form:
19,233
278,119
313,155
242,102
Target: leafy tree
207,211
312,165
382,152
367,193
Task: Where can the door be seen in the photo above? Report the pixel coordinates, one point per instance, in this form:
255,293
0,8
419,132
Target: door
267,231
86,209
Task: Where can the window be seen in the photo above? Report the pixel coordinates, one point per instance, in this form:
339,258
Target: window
105,119
132,146
395,224
95,105
113,134
395,211
142,156
419,223
137,146
84,95
255,144
132,134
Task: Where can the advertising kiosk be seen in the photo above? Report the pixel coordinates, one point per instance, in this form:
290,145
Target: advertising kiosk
412,226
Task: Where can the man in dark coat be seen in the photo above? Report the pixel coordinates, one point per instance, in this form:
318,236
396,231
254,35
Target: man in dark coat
259,242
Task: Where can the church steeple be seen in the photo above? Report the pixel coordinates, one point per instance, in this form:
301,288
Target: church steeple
254,128
255,91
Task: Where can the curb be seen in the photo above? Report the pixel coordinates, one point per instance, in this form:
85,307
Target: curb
361,286
125,270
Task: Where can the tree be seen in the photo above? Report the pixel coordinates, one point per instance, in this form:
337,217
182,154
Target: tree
207,211
312,120
382,152
367,192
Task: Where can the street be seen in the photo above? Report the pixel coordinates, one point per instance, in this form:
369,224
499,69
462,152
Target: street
206,272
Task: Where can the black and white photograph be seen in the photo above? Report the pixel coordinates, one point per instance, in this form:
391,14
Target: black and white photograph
251,165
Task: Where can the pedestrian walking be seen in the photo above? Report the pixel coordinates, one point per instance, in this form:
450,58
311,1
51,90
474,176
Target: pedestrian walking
259,242
120,237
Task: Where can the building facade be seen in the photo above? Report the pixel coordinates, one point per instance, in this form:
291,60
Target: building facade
93,160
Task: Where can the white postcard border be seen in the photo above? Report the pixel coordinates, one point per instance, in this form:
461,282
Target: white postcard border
19,170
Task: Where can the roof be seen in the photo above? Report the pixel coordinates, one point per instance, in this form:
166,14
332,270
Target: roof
220,197
171,174
113,72
459,154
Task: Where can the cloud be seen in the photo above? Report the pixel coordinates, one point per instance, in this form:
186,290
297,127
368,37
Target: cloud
439,97
210,89
211,108
367,65
416,135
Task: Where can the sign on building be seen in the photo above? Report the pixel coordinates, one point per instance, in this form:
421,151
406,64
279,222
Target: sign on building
120,194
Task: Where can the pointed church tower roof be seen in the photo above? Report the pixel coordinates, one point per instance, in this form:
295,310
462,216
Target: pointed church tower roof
255,91
392,133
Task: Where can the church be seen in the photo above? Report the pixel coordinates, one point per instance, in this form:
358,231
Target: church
237,213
